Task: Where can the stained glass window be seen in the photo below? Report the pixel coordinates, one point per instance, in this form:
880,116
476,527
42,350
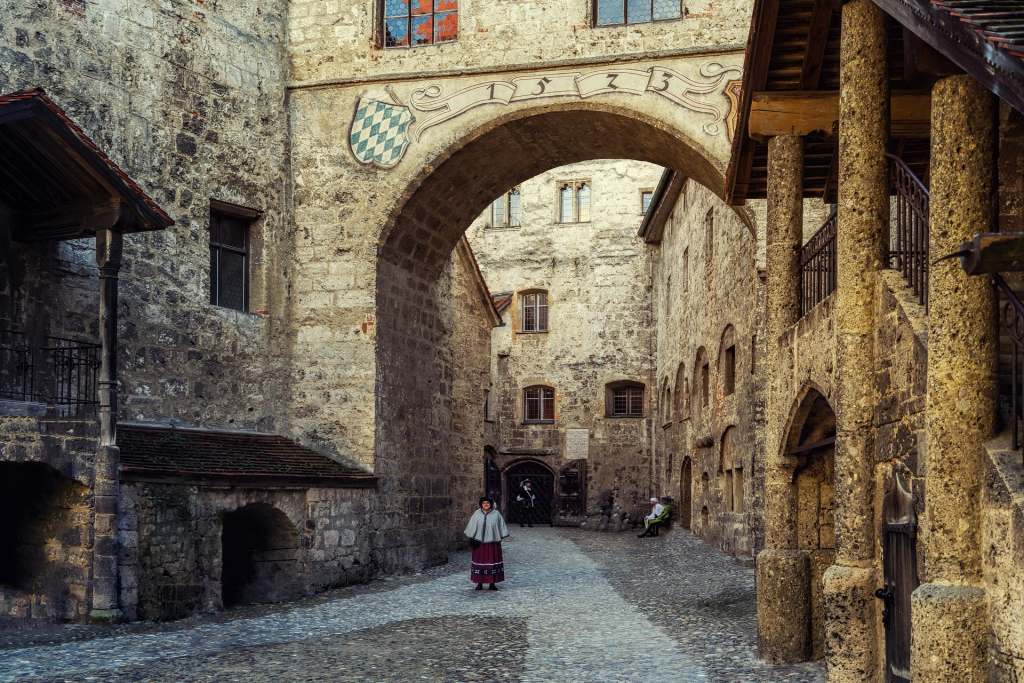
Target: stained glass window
420,22
612,12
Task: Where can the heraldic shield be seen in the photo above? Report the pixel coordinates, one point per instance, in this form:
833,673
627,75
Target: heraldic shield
379,132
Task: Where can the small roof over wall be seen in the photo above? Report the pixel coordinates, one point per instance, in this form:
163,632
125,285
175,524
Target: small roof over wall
228,458
57,183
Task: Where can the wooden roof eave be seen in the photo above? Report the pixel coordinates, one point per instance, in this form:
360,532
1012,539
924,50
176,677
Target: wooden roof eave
756,61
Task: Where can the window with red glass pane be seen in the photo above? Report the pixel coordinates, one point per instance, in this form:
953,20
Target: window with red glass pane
412,23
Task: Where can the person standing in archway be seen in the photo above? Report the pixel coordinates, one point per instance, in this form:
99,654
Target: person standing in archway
526,499
485,531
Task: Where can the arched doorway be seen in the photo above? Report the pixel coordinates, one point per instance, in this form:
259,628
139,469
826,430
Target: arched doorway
542,481
44,561
812,443
260,556
686,493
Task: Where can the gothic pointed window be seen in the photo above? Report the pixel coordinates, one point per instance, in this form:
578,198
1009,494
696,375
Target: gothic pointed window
505,210
617,12
574,201
412,23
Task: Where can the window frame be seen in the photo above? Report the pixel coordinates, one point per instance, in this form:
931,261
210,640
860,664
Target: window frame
523,298
576,185
543,402
380,31
625,15
220,210
506,220
650,198
729,370
632,390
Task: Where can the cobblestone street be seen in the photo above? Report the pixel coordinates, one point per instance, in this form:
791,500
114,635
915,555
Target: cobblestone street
577,606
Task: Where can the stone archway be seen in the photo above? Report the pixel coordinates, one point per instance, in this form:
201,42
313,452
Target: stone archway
260,556
44,542
542,481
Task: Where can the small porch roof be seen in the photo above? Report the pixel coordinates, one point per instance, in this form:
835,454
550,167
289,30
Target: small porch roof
57,183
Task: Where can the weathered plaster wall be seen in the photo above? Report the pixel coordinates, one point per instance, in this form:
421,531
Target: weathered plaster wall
702,287
336,40
189,101
596,276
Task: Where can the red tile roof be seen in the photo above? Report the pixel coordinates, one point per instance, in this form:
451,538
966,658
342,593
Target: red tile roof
161,453
43,107
502,301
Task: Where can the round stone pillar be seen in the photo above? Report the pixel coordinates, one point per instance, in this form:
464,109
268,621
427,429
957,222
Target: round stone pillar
783,582
948,611
861,245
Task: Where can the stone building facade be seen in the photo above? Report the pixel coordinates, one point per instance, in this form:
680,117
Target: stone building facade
569,236
708,433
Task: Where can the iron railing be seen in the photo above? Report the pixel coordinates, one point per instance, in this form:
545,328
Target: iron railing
62,373
908,238
818,266
1011,317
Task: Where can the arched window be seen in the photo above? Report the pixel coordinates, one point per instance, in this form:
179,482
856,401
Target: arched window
534,311
565,203
730,468
574,201
583,203
538,404
624,399
666,401
505,210
680,387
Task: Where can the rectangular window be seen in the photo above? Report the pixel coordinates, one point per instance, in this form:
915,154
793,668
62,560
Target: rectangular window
419,22
229,260
729,371
709,236
686,269
628,402
505,210
645,200
574,201
539,404
535,312
615,12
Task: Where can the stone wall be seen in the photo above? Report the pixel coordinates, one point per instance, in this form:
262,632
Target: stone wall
189,101
595,274
705,288
337,40
171,543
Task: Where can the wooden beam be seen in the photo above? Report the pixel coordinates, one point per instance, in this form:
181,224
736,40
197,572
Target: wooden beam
817,41
802,113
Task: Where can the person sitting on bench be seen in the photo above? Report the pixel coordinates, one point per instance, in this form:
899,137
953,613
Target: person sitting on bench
658,516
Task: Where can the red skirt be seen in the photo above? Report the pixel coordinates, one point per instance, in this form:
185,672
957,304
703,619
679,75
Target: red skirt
486,565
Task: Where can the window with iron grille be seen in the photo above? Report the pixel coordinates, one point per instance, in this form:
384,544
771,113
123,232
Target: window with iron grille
538,404
229,260
534,312
414,23
617,12
574,201
624,399
506,210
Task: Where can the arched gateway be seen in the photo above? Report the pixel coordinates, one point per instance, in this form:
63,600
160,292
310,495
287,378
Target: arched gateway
460,142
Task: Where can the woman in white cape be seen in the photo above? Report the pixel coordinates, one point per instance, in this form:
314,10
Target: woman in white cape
485,531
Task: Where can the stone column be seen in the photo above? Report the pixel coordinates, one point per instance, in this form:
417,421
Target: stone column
862,240
949,613
783,586
105,485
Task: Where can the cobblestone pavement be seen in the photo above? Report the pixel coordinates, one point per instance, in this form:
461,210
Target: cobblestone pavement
577,606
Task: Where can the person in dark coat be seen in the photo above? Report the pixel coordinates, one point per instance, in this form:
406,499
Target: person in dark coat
526,499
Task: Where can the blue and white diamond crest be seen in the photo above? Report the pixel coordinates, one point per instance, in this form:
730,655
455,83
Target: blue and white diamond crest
379,132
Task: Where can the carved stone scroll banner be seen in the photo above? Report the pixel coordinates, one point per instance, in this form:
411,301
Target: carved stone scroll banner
703,94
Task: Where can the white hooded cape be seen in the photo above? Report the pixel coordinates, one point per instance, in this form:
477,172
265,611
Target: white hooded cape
487,528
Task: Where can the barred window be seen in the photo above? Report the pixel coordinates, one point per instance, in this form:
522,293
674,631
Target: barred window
615,12
229,259
505,210
412,23
625,399
538,404
574,201
534,312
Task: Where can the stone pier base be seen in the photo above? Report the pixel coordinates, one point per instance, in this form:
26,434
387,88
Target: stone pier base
850,624
783,605
949,633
